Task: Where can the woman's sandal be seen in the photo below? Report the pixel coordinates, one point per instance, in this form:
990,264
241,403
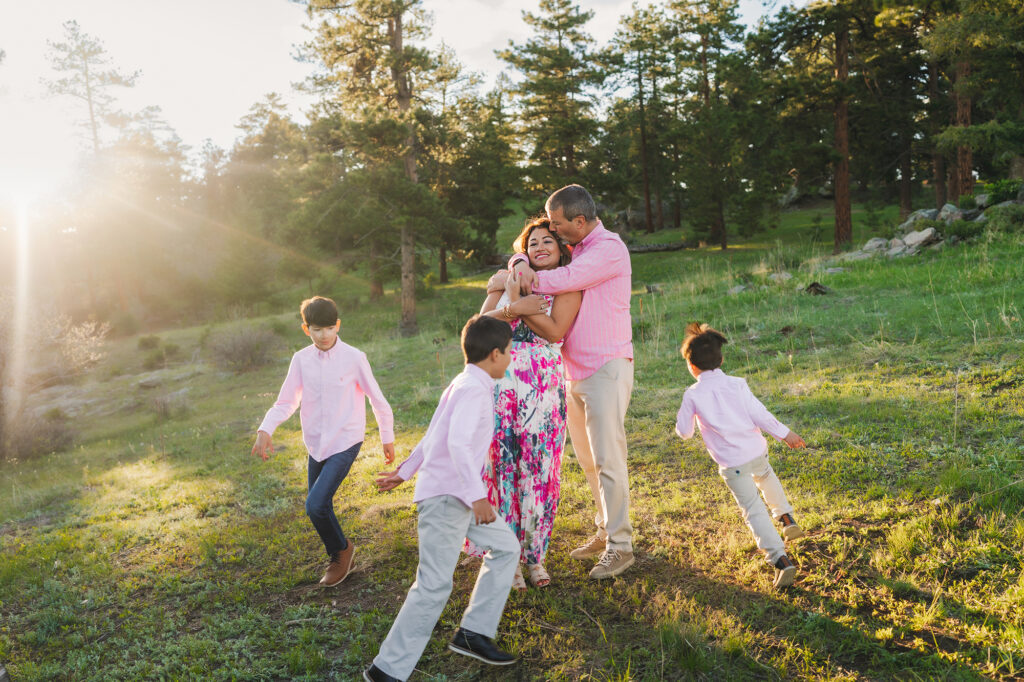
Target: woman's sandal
538,576
518,584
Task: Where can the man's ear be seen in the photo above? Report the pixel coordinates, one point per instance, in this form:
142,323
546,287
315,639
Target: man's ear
305,328
337,326
494,354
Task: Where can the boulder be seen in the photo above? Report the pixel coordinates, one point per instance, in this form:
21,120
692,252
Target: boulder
780,277
738,289
834,271
923,238
949,213
875,244
897,251
1009,202
922,214
981,200
982,218
855,255
894,242
969,214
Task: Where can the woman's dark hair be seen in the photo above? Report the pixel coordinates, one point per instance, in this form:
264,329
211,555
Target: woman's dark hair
319,312
482,334
703,346
564,254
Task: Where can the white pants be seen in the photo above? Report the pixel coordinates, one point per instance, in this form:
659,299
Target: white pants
444,522
747,483
596,413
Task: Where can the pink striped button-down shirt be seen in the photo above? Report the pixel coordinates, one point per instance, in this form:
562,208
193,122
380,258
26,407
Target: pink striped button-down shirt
729,416
450,458
603,329
332,387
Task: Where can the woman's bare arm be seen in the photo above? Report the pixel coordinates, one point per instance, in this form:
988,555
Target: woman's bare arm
491,302
563,311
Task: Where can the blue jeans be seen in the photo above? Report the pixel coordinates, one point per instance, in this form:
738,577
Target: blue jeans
324,479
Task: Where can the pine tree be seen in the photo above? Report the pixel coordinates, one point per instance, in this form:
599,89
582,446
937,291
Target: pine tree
554,96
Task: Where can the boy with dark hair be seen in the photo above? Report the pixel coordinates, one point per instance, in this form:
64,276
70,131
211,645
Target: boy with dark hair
331,380
452,505
731,420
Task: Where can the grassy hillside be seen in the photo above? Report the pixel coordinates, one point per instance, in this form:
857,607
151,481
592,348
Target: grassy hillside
158,548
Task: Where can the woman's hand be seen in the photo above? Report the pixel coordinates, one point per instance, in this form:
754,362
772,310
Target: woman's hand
530,305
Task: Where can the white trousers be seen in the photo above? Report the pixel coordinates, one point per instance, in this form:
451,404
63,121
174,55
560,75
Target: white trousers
748,483
596,414
444,522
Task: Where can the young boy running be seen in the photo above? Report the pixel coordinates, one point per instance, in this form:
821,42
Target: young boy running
452,505
731,420
331,380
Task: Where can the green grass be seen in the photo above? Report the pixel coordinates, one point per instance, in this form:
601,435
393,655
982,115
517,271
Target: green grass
158,548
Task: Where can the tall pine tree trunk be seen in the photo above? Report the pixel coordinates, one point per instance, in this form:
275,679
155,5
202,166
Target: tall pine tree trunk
648,219
906,182
841,179
938,158
403,97
964,157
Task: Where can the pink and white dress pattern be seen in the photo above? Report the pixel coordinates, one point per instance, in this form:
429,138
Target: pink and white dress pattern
524,464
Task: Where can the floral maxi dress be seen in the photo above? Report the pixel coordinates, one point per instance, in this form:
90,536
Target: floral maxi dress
523,467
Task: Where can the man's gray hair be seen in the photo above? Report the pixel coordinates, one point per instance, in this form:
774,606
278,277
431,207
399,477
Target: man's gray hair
574,201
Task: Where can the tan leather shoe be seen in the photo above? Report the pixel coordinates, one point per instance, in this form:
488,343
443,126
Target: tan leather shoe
591,548
612,563
340,566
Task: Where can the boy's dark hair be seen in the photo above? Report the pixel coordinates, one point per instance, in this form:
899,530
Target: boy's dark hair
482,334
319,312
703,346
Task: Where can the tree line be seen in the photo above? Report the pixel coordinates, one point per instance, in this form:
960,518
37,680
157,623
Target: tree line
685,118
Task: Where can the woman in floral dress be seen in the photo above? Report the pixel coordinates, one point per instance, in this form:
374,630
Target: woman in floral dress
526,453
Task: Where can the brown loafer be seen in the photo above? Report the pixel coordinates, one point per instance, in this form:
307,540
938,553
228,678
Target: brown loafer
340,566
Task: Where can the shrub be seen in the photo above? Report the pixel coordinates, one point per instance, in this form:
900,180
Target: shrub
244,350
1002,190
171,351
155,360
1007,218
964,229
967,201
30,436
149,342
279,327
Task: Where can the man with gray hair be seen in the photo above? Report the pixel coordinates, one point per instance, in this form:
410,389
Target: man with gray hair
598,359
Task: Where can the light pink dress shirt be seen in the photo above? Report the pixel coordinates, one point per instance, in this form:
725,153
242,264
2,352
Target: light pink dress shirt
729,416
332,387
603,329
450,458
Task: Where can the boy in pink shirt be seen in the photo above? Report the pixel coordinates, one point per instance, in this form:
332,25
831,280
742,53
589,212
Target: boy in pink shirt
331,380
731,420
451,502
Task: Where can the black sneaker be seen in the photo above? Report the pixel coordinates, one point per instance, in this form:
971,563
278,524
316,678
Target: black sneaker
790,529
785,572
479,647
375,674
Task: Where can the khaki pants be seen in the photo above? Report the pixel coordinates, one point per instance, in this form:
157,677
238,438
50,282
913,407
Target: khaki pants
444,522
596,413
747,483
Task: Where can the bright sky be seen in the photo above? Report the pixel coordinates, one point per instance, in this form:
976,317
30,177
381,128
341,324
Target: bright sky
204,63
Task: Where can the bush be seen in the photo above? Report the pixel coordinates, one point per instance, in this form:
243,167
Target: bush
30,436
967,201
154,360
964,229
1007,218
244,350
1002,190
279,327
149,342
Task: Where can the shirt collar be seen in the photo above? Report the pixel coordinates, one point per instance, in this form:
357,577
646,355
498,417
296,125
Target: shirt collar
593,236
480,375
710,375
330,352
